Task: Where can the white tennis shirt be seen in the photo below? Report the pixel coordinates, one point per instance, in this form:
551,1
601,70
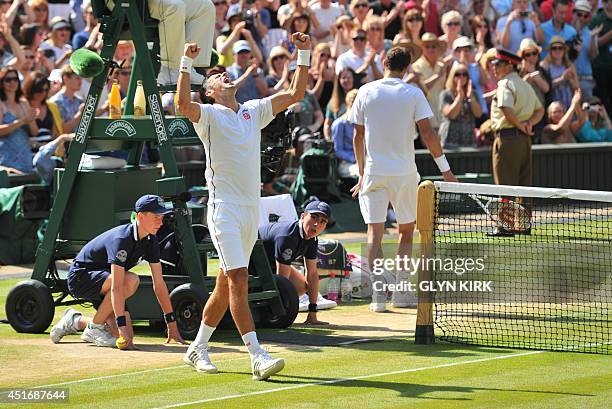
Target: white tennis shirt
232,142
388,109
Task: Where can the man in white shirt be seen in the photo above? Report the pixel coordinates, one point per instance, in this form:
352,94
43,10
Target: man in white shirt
385,113
231,134
327,13
360,59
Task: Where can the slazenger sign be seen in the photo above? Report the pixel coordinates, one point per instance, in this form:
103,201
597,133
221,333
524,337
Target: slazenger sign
178,127
120,125
158,122
88,113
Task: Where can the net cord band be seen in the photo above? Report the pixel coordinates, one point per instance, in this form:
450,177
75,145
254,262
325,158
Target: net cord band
523,191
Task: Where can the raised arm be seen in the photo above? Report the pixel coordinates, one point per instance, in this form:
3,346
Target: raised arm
188,108
282,100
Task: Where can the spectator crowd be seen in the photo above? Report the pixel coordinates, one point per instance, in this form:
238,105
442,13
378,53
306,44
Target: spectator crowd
564,49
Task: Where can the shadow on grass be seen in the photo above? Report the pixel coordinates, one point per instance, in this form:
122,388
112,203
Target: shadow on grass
407,390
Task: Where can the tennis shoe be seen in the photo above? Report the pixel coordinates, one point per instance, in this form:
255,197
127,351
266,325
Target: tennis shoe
99,335
264,366
197,356
64,326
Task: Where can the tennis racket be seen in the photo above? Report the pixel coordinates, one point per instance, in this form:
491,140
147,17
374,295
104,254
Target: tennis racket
504,213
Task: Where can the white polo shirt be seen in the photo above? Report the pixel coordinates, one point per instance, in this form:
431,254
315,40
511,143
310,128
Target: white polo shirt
232,142
388,109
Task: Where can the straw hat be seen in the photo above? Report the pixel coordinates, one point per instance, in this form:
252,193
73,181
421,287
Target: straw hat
432,38
489,55
528,44
414,50
556,40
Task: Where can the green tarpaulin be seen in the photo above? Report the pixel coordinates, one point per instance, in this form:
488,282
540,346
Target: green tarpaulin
18,236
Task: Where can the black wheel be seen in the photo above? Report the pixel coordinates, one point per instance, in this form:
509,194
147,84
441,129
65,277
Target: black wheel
30,307
188,301
289,298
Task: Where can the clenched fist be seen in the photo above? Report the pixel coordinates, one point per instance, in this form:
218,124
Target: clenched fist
191,50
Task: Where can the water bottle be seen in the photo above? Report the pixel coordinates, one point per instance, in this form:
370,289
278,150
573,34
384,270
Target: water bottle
332,288
346,289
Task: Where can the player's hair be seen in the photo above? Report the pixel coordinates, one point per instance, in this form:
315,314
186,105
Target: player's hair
398,58
205,86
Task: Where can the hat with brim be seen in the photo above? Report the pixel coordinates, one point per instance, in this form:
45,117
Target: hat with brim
582,5
462,42
505,56
528,44
486,57
86,64
59,23
432,38
319,207
241,45
414,50
151,204
556,40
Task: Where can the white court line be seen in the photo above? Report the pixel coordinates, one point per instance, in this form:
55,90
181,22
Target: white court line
354,378
98,378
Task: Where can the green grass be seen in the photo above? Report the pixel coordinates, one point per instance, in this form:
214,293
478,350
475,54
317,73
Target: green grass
394,373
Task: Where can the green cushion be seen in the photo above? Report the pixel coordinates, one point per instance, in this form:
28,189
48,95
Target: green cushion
86,63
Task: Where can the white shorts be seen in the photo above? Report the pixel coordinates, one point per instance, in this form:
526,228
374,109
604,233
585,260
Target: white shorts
378,191
233,229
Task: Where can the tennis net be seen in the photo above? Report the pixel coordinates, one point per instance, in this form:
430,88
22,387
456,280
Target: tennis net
540,275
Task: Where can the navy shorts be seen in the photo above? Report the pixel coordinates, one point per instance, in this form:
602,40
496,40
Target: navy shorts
86,284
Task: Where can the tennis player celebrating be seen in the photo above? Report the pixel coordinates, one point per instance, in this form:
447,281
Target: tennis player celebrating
231,134
385,113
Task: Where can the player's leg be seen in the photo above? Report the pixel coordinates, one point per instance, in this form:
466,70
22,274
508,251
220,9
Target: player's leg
225,234
404,201
373,202
200,28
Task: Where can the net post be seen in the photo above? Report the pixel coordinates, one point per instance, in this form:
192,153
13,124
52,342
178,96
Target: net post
424,331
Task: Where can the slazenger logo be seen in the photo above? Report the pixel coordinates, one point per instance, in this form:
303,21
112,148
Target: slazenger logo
178,125
158,123
88,113
120,125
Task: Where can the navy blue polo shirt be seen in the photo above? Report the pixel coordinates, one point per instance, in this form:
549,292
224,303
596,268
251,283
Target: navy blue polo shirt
120,246
289,242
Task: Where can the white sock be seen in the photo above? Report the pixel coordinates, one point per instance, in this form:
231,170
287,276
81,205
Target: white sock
204,334
250,340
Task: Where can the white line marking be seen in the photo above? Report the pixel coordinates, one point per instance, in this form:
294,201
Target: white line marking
354,378
98,378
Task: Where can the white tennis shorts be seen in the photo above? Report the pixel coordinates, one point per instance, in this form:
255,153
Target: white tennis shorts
233,229
378,191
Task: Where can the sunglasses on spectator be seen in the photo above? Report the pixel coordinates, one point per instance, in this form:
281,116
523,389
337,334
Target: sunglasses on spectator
374,28
325,55
359,38
11,79
557,48
461,74
414,18
7,2
431,46
580,14
361,5
279,57
43,89
454,23
530,54
30,57
483,26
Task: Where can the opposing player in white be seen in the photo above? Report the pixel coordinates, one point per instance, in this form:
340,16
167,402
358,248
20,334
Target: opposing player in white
385,113
231,134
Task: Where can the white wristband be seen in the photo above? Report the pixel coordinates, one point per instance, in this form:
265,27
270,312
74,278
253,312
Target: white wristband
442,163
186,63
303,58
